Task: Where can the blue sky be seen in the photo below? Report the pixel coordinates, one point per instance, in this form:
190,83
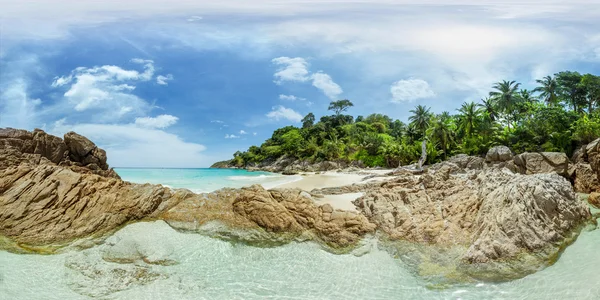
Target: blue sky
188,83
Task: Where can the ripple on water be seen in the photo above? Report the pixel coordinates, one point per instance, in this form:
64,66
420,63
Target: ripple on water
206,268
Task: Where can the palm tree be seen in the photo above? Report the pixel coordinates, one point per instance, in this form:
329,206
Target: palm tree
441,130
489,106
468,118
505,95
548,90
420,118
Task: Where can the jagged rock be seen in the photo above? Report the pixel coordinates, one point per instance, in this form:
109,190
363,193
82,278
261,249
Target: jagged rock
542,163
594,199
584,179
579,155
499,154
496,215
467,162
593,156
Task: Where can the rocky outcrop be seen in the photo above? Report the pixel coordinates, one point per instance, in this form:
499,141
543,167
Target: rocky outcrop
498,154
291,165
53,192
584,179
592,155
542,163
499,219
75,152
594,199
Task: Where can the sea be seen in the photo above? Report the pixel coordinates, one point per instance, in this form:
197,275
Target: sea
208,268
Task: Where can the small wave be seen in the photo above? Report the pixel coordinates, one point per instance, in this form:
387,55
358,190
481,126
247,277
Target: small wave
246,178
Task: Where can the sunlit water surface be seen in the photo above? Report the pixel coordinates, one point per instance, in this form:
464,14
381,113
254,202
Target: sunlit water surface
208,268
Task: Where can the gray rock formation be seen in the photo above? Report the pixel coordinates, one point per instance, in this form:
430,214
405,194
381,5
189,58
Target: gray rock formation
543,163
498,154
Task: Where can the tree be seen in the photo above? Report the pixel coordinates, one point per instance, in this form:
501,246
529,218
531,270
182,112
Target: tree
591,86
441,130
505,96
468,118
420,118
340,106
489,106
548,90
308,121
570,89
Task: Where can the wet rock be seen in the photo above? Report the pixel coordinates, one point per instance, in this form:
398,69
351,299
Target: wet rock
594,199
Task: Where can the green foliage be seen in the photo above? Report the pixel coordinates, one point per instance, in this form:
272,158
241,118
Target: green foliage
562,112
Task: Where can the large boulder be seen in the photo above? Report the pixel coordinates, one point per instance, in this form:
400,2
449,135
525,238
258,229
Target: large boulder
584,179
501,225
542,163
498,154
593,156
467,162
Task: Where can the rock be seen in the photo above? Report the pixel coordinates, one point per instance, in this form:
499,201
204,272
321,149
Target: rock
498,154
593,156
467,162
542,163
584,179
493,217
288,172
594,200
579,155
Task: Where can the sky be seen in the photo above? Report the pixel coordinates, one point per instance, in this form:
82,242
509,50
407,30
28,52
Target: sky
187,83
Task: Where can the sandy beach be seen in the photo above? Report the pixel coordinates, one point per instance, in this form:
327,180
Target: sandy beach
312,181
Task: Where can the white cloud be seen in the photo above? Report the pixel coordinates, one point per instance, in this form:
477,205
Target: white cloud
128,145
217,121
194,18
280,112
254,133
104,88
242,132
17,109
409,90
290,98
162,121
324,82
162,80
232,136
290,69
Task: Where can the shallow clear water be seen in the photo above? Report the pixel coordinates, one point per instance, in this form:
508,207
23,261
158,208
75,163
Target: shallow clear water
203,180
208,268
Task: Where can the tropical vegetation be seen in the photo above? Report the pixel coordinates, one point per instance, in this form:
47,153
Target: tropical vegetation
561,113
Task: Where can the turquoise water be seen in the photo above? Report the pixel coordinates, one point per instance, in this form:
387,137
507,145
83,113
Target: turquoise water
203,180
207,268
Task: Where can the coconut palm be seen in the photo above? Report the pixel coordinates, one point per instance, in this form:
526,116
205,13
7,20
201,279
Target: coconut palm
548,90
489,106
468,118
505,96
442,131
420,119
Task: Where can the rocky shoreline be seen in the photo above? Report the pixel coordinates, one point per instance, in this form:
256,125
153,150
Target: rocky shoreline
469,218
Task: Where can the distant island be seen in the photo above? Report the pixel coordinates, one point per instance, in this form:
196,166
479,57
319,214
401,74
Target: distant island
559,115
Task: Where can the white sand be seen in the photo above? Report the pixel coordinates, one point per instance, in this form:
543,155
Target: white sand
312,181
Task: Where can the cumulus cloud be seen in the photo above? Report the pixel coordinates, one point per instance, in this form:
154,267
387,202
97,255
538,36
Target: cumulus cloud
128,145
162,121
217,121
162,80
107,88
296,69
232,136
324,82
409,90
290,98
290,69
283,113
242,132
